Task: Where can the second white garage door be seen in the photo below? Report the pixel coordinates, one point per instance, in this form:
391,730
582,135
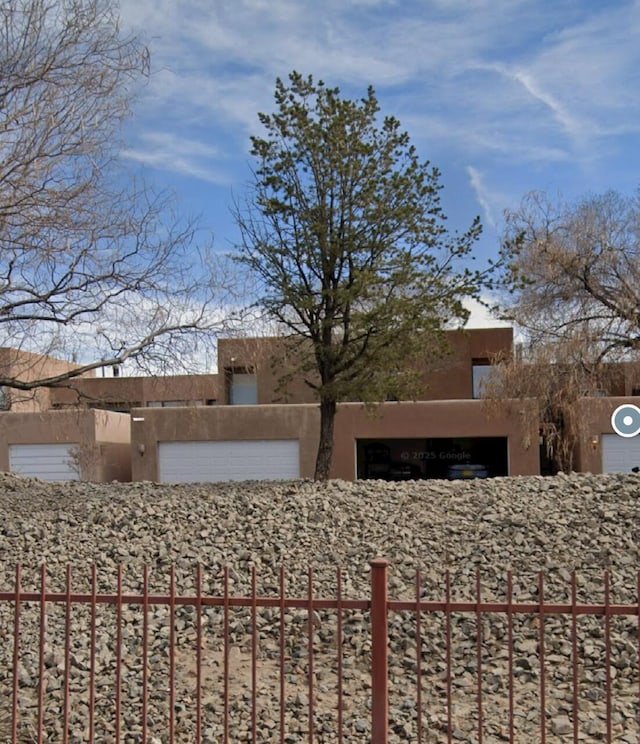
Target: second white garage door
53,462
620,454
193,462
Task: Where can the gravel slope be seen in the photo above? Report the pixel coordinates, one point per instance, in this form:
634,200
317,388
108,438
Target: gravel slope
580,522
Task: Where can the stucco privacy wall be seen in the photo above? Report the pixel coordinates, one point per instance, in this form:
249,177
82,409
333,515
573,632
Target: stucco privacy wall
515,420
103,436
149,426
112,445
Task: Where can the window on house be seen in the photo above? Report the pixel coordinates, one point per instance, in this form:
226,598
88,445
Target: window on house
5,400
117,406
243,389
480,370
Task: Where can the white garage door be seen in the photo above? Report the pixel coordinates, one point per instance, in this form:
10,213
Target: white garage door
620,454
192,462
51,462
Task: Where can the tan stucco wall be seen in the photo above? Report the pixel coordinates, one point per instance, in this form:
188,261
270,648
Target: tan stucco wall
27,367
112,427
103,438
424,419
152,425
421,419
445,379
136,390
269,359
451,378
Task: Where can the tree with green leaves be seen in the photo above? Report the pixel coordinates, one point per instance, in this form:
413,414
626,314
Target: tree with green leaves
345,232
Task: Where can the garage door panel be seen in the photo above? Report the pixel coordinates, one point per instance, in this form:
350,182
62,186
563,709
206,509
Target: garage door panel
191,462
53,462
619,454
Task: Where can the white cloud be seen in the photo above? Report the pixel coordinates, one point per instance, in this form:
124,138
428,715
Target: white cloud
172,152
482,317
534,89
482,195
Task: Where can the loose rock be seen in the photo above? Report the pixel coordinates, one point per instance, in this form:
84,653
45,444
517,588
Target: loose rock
578,523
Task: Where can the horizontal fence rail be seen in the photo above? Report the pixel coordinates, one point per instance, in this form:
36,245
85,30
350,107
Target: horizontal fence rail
143,666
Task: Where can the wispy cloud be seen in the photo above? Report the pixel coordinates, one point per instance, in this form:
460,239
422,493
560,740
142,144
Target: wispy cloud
574,128
532,93
485,199
173,152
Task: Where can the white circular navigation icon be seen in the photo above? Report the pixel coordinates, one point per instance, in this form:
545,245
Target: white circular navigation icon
625,420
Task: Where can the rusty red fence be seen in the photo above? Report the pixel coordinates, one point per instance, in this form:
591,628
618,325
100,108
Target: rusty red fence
150,667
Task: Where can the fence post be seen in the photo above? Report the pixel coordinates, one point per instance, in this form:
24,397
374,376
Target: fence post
379,652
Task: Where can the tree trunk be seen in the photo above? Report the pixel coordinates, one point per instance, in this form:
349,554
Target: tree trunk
325,447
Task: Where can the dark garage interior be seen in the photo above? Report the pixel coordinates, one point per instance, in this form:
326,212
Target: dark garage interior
414,459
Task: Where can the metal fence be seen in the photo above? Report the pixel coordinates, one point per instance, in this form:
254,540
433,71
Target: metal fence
121,666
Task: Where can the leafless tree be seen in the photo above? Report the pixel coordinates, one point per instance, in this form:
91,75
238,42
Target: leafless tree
575,281
553,375
575,273
94,268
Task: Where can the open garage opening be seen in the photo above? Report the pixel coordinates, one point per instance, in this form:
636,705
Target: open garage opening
416,459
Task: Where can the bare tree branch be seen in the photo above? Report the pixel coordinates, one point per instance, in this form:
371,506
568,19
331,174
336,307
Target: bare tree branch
94,267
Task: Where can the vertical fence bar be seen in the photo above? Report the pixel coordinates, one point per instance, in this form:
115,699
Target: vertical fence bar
574,655
479,657
67,657
339,648
145,647
226,653
43,627
607,654
118,650
199,653
541,656
418,656
379,659
16,656
310,651
92,650
172,654
254,657
282,657
510,656
448,654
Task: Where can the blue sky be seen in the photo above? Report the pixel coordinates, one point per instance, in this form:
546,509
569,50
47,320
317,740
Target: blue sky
504,96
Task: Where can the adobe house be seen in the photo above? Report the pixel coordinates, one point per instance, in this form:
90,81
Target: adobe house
57,445
261,429
241,424
250,368
599,449
84,444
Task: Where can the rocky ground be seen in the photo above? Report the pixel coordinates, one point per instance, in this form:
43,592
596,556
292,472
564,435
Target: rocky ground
590,524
